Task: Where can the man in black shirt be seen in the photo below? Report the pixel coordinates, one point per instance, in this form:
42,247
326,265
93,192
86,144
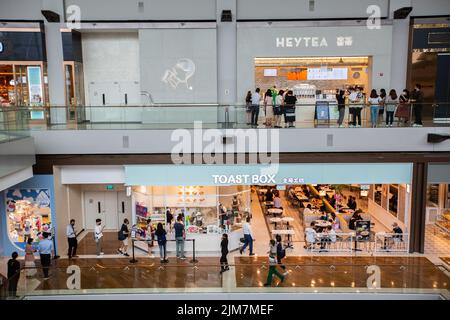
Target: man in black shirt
289,109
13,274
224,250
417,98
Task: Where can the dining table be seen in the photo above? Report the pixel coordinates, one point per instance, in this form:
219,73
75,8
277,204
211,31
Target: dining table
275,211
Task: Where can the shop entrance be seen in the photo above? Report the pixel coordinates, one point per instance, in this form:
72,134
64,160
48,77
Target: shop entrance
110,206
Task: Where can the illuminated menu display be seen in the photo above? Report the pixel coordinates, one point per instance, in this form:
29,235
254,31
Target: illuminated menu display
327,74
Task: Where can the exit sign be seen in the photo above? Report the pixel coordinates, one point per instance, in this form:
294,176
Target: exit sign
109,187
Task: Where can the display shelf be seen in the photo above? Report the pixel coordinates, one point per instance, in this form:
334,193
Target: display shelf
443,221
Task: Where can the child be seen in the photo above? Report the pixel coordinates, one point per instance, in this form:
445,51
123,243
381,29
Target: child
98,236
224,250
13,274
273,265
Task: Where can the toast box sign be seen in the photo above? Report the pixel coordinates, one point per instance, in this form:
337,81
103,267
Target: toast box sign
244,179
315,42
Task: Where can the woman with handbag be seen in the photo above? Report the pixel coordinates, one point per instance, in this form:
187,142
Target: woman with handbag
403,109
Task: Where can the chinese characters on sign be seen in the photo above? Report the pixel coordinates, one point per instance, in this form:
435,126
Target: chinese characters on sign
296,42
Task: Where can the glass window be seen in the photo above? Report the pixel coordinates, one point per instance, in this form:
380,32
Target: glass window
393,199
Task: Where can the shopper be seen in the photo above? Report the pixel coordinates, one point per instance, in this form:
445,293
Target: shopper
98,237
169,219
161,234
403,109
256,98
248,237
357,100
277,201
289,109
374,101
180,236
149,234
224,251
123,236
13,274
268,108
382,105
417,98
275,93
248,107
273,266
72,239
281,253
45,252
341,106
391,105
222,215
30,264
277,109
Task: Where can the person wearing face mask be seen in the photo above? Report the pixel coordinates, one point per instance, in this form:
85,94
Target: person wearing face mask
123,236
417,98
72,239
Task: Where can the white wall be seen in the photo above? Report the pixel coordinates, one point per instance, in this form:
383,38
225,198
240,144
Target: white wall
92,174
21,10
111,64
384,217
430,7
290,140
153,9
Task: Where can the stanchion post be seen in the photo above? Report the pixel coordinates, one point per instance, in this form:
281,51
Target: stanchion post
54,243
133,260
193,252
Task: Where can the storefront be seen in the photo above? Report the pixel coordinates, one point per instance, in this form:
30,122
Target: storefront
312,61
23,77
27,210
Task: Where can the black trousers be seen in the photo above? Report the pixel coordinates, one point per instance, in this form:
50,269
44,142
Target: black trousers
389,117
223,262
418,114
356,116
255,114
12,285
45,262
73,243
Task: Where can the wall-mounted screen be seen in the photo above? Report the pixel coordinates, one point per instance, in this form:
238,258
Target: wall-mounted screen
327,74
270,72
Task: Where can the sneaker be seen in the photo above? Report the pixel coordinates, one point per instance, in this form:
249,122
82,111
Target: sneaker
251,254
286,273
166,260
126,254
358,126
266,285
341,126
74,256
240,250
46,278
102,253
183,258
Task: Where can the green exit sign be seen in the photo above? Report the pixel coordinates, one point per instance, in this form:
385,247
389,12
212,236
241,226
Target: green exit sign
109,187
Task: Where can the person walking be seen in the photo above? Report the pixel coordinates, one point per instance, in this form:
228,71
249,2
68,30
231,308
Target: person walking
30,264
281,254
417,98
277,109
224,251
123,236
248,107
160,234
391,105
268,108
272,265
374,101
248,237
180,235
13,274
45,252
98,237
341,106
72,239
256,98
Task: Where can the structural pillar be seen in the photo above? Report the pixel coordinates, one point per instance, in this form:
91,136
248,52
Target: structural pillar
55,62
418,207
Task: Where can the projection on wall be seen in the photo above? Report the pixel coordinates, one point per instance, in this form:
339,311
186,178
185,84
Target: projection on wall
179,74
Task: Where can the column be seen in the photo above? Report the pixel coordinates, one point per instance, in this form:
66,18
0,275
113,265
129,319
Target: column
55,62
226,53
418,203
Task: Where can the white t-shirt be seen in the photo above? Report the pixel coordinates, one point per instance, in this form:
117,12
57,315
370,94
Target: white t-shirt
247,229
278,100
310,234
98,231
374,101
332,235
256,98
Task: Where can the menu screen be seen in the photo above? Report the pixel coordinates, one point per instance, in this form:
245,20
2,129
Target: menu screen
327,74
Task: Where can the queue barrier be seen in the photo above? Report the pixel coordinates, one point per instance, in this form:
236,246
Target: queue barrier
344,243
391,242
133,240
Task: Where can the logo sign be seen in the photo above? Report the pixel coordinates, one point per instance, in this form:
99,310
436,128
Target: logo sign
315,42
1,47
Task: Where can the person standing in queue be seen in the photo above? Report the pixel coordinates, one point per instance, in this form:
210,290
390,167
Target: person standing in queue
180,235
224,251
30,264
357,100
417,98
72,239
169,219
13,274
98,237
149,236
45,252
123,236
268,108
256,98
289,109
277,109
248,107
382,105
272,266
248,237
341,106
160,234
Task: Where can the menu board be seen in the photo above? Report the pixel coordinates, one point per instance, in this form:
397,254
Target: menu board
327,74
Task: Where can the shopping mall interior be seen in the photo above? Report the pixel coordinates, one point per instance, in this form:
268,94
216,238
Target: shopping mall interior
224,149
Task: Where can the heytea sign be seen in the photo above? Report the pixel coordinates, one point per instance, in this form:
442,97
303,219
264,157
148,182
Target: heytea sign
295,42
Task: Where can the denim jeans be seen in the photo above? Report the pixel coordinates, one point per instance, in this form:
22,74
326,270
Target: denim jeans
163,251
374,115
255,114
180,247
341,115
389,117
248,241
